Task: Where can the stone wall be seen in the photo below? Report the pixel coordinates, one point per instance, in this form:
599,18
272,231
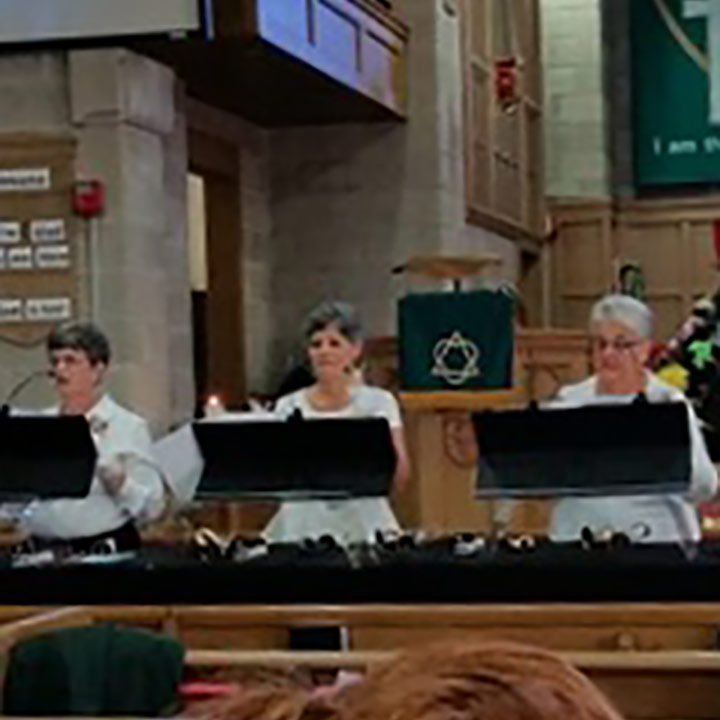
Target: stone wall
35,96
127,115
349,203
327,212
575,111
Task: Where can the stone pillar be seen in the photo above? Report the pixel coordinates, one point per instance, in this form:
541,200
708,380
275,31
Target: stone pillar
575,115
131,136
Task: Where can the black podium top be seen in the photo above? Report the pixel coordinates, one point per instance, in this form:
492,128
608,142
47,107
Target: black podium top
45,457
281,459
641,448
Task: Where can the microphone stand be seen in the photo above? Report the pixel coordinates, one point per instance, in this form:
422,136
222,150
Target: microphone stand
6,407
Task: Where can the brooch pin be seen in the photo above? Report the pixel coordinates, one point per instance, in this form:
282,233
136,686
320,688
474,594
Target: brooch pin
98,426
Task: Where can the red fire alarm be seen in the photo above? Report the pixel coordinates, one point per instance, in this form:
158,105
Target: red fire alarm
88,198
506,82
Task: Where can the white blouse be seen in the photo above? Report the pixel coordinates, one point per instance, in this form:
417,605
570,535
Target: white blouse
347,521
650,518
365,402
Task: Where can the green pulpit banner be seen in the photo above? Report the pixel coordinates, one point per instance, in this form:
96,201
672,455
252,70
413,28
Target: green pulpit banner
456,340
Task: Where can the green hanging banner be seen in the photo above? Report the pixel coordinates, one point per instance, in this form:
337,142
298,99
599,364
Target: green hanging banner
676,91
456,340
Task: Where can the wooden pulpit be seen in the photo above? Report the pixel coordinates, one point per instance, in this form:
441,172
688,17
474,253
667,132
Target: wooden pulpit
440,497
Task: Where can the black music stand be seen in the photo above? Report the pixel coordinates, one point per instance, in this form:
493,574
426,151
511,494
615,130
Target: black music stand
44,457
295,459
641,448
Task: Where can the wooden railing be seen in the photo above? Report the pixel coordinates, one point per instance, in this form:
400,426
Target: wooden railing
677,680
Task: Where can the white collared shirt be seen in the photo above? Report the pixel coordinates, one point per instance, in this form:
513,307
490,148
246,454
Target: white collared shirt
116,432
653,518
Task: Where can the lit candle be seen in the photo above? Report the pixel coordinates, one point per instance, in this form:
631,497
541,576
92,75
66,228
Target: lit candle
214,406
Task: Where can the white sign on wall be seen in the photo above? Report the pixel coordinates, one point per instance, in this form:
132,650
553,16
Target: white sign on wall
10,232
44,231
52,257
11,310
24,179
20,258
48,309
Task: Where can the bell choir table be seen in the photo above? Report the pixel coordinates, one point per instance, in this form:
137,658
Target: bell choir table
433,573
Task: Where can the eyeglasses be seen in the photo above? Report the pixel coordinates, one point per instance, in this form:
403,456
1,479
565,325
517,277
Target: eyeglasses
617,344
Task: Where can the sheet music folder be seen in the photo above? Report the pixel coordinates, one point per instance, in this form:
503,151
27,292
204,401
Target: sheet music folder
641,448
295,459
45,457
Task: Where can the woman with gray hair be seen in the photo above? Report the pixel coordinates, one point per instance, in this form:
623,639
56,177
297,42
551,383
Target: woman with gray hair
620,333
333,340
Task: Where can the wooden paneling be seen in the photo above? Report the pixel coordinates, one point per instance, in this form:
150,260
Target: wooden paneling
296,62
352,41
546,360
503,146
672,241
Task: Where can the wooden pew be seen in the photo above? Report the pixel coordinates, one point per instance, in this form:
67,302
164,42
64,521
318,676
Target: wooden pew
640,627
576,627
665,683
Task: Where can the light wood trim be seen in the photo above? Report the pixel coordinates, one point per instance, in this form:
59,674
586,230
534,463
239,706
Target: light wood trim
285,658
459,400
670,661
658,661
143,614
643,614
451,267
498,222
67,617
397,615
638,211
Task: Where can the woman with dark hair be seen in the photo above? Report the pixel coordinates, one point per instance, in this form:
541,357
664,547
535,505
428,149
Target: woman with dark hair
334,345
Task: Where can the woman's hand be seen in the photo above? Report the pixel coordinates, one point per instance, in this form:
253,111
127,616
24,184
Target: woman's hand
113,474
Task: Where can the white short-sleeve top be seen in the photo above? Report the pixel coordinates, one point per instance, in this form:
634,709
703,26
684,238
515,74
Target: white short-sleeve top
365,402
664,518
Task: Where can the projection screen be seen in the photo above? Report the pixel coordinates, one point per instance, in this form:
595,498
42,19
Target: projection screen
27,21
